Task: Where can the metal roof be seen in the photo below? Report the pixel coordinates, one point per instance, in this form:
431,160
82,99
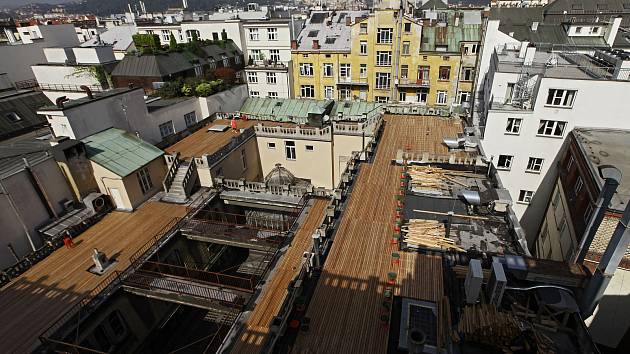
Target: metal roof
25,105
159,65
283,110
12,155
355,109
119,151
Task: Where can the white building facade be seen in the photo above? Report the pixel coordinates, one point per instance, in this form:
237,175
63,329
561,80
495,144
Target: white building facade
531,102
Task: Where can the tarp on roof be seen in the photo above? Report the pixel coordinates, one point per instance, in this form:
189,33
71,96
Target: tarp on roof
119,151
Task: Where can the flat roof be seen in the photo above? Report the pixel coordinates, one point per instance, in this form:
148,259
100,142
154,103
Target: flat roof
607,147
344,309
36,299
204,142
85,100
333,37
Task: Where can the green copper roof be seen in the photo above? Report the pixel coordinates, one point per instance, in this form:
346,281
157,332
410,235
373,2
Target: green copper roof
355,109
119,151
284,110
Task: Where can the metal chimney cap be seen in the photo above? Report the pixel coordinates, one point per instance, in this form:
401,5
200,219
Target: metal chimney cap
610,172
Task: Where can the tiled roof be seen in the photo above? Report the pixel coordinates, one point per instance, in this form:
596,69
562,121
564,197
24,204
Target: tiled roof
119,151
331,37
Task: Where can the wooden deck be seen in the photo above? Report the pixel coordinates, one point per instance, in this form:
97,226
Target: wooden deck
253,336
347,302
32,302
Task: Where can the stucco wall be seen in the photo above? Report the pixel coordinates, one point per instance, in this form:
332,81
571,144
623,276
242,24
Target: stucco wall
344,145
232,167
316,165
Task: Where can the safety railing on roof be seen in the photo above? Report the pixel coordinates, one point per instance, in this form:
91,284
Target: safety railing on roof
263,187
69,87
227,148
294,132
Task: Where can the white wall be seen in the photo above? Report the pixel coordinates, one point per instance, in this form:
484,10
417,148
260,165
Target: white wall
281,87
609,322
206,28
283,42
94,55
600,104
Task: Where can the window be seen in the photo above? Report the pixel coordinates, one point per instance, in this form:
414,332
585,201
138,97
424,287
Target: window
237,59
422,95
578,186
513,126
13,117
271,146
252,77
525,197
405,48
304,55
534,164
144,179
167,129
272,94
327,56
408,27
310,148
570,163
166,35
271,78
381,99
243,160
383,58
190,118
404,71
255,54
344,70
253,34
289,148
504,162
384,35
508,93
345,94
587,213
441,97
254,94
445,73
226,61
467,74
402,96
561,98
181,35
192,35
595,30
307,91
329,92
272,34
382,81
551,128
363,28
328,69
423,73
306,69
363,71
463,97
274,55
578,29
363,48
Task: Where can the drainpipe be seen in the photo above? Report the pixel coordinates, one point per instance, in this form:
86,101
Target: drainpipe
612,178
608,265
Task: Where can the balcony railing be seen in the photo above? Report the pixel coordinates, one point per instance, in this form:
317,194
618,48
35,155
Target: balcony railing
350,81
294,132
69,88
413,83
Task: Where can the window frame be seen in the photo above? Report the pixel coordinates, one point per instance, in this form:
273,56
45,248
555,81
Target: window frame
254,34
384,58
441,93
168,124
252,77
272,78
379,77
272,32
305,68
534,162
562,95
525,196
144,180
274,55
384,35
13,117
553,127
508,160
307,88
187,117
516,125
290,150
441,71
271,145
363,48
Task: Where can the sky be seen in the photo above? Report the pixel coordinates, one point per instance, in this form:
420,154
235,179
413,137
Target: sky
22,2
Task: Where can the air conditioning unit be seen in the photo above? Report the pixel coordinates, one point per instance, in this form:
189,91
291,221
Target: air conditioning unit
474,278
97,203
496,284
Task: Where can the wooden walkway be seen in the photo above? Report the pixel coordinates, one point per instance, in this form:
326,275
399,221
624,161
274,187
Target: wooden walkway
32,302
253,336
347,302
204,142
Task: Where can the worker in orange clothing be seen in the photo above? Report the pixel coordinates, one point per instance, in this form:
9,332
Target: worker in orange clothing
233,124
67,240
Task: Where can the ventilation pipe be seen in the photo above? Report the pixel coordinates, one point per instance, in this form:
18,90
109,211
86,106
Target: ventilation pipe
612,178
87,91
608,264
60,100
416,340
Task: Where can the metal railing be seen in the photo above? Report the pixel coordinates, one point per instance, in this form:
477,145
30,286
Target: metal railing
233,234
174,162
294,132
189,178
156,241
412,82
69,87
247,284
263,224
263,187
233,144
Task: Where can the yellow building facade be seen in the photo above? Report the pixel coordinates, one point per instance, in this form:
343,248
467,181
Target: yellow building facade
384,56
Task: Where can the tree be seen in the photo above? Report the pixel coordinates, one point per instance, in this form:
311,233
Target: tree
172,44
228,75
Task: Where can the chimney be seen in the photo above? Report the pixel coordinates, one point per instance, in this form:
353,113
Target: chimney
529,54
315,44
535,26
612,31
521,52
294,44
348,21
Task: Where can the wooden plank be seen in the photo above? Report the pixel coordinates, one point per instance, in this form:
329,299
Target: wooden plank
33,301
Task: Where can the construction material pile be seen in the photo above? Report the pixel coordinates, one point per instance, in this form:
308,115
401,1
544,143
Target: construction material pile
427,179
484,324
427,233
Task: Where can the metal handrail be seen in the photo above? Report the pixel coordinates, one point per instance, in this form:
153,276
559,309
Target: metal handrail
226,149
69,87
255,222
172,172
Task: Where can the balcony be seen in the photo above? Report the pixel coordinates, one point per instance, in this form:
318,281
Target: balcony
413,83
323,134
344,80
267,65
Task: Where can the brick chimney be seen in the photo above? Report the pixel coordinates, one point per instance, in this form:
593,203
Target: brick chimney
348,21
315,44
294,44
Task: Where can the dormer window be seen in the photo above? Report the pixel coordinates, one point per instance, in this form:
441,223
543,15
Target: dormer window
578,29
595,30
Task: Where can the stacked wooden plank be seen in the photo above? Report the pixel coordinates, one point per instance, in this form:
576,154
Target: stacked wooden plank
427,179
484,324
427,233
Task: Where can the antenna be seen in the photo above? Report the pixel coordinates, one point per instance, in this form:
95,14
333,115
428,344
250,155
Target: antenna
185,4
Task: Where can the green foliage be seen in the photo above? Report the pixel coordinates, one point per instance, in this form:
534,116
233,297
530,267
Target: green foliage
187,90
172,44
143,41
170,89
204,89
191,87
97,72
